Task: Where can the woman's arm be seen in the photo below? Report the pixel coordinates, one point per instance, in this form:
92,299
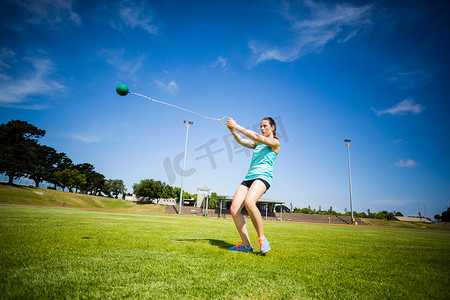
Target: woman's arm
255,137
244,142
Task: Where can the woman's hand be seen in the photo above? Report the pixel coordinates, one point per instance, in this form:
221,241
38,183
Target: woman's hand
234,127
231,123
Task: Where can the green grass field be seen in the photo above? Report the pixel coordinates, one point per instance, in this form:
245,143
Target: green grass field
48,252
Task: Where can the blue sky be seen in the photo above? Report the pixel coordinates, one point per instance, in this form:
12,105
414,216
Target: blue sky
375,72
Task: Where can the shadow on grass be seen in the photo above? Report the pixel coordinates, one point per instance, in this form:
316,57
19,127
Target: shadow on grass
213,242
216,243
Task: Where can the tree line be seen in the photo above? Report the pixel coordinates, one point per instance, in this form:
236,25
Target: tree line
382,215
444,217
22,156
149,190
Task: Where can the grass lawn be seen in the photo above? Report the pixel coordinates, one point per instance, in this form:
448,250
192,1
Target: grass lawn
38,196
48,252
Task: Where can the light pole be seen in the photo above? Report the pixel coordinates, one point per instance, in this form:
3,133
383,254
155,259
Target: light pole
184,164
347,143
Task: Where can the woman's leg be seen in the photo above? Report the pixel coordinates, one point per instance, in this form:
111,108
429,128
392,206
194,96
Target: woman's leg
236,213
256,190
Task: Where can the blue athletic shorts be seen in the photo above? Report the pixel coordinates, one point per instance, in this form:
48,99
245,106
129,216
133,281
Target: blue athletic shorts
248,183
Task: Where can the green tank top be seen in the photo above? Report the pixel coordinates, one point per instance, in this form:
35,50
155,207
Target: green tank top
262,162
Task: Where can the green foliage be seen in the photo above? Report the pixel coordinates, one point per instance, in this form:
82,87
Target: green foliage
445,216
89,173
97,183
361,215
214,201
186,195
116,187
70,178
383,215
62,162
18,144
285,208
214,195
78,178
149,189
44,160
304,211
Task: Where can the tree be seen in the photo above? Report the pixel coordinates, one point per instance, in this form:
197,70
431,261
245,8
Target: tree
214,201
18,143
98,183
106,189
70,178
63,178
146,189
361,215
45,158
116,186
176,195
445,216
62,162
383,215
168,192
149,190
285,208
79,179
90,174
306,211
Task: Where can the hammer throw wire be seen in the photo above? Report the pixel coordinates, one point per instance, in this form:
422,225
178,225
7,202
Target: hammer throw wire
175,106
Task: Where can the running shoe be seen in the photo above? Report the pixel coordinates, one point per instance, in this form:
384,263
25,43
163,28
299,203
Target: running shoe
241,248
263,245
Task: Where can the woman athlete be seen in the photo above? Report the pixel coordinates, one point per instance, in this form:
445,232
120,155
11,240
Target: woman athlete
257,182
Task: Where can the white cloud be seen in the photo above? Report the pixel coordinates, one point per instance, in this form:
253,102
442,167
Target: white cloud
137,15
324,24
221,62
6,57
50,11
401,163
123,64
84,138
406,106
407,79
170,87
37,82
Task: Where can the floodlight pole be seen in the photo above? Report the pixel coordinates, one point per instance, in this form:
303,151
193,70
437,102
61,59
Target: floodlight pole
347,143
184,164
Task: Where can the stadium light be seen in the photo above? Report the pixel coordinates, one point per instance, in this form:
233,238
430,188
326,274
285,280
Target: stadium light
347,143
184,164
